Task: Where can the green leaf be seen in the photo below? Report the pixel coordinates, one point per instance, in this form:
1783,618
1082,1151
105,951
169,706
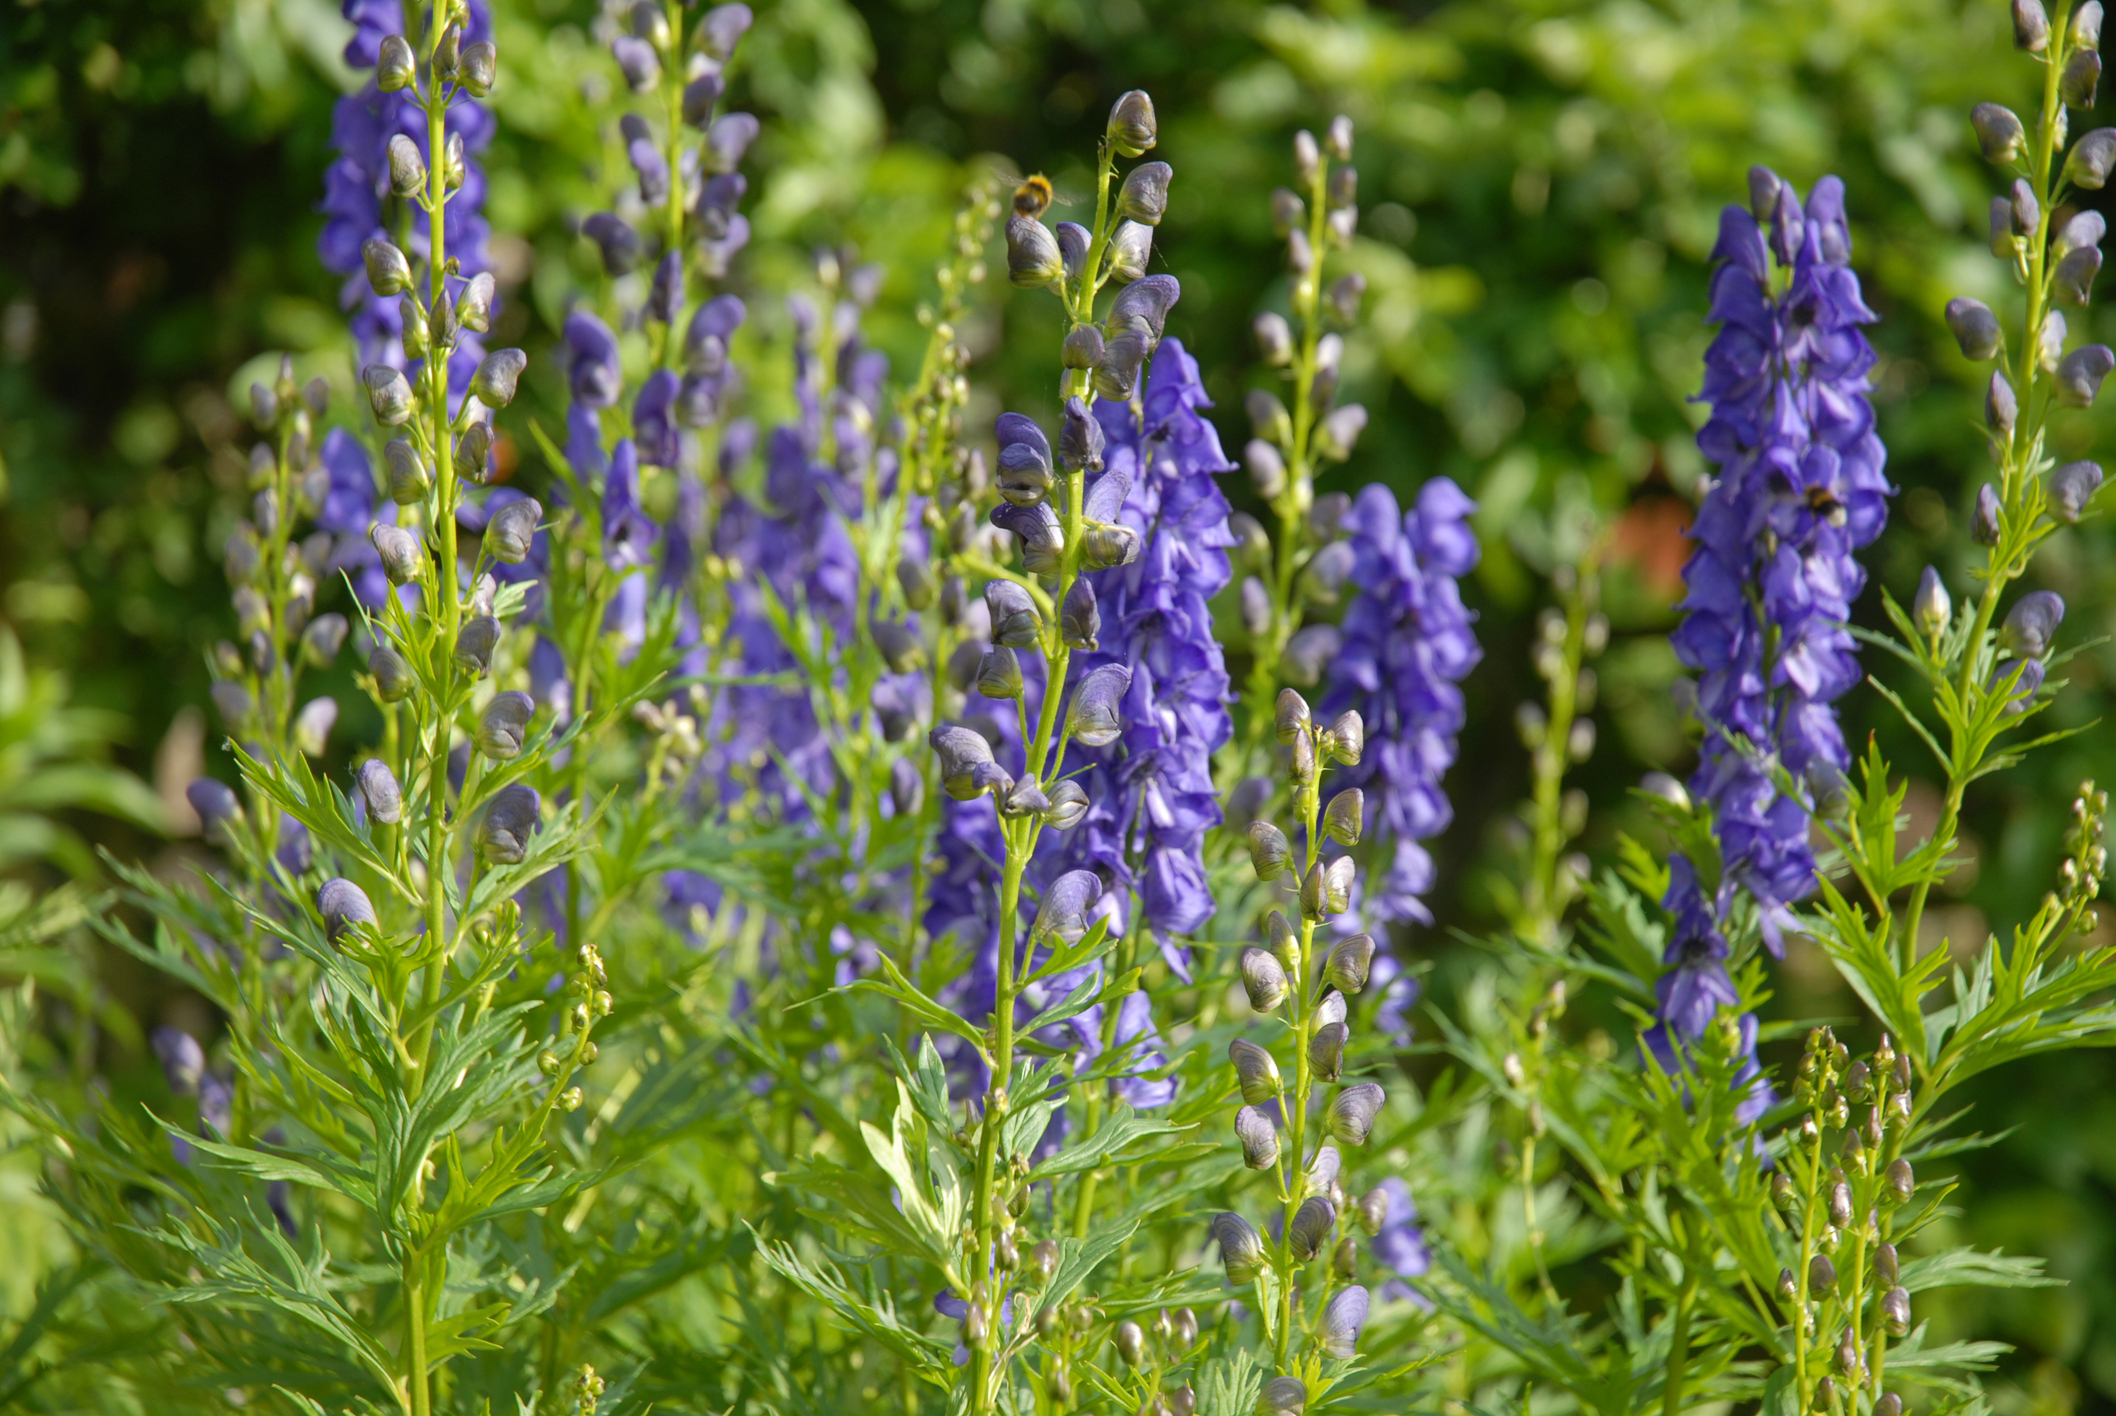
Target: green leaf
1972,1268
1122,1128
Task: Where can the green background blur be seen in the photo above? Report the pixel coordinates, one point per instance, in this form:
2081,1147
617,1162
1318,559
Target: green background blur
1539,183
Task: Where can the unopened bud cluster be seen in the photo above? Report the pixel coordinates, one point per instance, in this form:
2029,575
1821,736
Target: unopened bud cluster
1304,984
1858,1115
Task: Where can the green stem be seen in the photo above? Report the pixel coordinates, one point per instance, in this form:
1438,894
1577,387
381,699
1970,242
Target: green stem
415,1319
1679,1341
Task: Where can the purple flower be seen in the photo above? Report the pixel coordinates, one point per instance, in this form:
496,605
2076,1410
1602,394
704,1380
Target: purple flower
1399,1245
1151,793
1408,642
1695,986
627,534
1800,489
654,419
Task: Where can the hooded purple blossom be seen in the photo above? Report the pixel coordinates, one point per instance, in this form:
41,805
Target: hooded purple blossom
1151,796
1695,986
1408,642
348,513
1399,1246
1800,489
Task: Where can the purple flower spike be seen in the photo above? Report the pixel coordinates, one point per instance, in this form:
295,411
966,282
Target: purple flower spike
1407,645
1800,489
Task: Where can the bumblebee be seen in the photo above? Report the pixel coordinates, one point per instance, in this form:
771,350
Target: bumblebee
1824,503
1033,197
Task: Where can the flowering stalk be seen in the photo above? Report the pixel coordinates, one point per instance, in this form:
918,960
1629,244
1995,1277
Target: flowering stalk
2053,263
1062,544
1314,982
1284,455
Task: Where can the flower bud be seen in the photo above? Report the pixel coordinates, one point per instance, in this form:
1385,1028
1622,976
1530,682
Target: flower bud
1033,258
2087,165
1274,338
614,237
1104,547
1326,1050
1241,1247
1349,963
1307,157
2026,211
1269,416
407,169
2072,486
1899,1182
1309,652
1342,1318
2031,622
1144,195
1821,1275
344,907
1345,740
2086,25
1352,1112
1895,1310
1345,294
2076,270
961,753
1130,248
395,66
512,531
1264,979
1983,521
2081,77
1079,618
1269,850
1344,816
2080,373
2003,244
1974,327
1132,127
392,675
1311,1227
1258,1135
497,377
378,788
638,61
478,67
1257,1070
322,640
403,557
504,724
1068,803
2031,26
1339,432
1023,798
1282,1396
388,394
1284,942
2001,407
474,645
1932,608
1062,913
503,835
1094,719
999,673
388,272
1998,132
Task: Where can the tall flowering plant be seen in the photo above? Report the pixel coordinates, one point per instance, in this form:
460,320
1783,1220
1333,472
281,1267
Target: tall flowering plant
821,917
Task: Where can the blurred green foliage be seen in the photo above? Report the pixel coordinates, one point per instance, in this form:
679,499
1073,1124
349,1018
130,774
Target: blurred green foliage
1540,181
